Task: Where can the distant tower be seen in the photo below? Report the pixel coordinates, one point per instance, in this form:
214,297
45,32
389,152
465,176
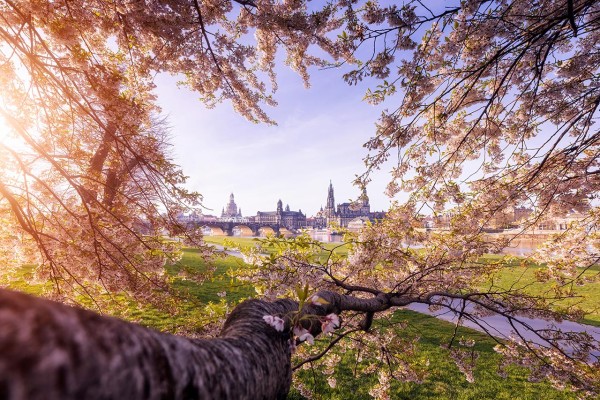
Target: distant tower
330,205
363,196
287,207
231,209
365,207
279,207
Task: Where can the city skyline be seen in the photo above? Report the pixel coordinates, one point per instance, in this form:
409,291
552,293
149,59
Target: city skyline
224,207
319,137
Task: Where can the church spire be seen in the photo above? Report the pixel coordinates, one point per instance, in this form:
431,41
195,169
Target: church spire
363,197
330,205
330,197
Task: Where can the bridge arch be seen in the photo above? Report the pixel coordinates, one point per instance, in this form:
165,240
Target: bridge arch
266,230
285,232
243,230
213,230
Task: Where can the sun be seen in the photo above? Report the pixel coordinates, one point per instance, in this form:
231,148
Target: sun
8,138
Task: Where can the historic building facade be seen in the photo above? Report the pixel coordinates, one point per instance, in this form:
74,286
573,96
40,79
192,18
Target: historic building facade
286,218
346,214
231,211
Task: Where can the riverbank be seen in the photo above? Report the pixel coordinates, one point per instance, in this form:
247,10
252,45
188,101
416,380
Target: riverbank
512,275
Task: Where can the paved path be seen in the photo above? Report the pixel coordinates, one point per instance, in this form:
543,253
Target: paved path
501,327
229,252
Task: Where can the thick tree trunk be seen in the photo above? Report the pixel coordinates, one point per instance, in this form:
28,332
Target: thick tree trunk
52,351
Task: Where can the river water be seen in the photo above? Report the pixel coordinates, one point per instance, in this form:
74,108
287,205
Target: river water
521,247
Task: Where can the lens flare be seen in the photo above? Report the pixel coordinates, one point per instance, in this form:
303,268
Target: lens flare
8,138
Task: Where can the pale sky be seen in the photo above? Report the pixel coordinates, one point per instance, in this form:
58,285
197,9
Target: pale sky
319,137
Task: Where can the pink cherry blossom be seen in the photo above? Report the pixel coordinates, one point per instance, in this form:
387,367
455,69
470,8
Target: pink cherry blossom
330,323
275,322
304,335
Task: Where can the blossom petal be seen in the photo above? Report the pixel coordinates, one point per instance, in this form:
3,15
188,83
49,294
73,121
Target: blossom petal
330,323
304,335
275,322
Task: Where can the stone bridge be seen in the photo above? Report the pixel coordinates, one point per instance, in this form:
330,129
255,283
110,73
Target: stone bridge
226,228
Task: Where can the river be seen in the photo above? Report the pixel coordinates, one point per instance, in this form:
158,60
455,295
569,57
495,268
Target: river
520,247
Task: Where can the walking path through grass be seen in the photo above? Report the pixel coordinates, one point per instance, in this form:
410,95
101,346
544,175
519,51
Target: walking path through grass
502,328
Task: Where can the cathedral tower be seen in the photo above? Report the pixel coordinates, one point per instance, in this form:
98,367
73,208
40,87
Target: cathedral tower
231,209
330,205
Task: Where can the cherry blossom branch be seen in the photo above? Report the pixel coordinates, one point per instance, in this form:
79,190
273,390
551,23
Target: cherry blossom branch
331,344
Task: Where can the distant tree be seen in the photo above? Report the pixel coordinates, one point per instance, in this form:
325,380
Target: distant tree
493,105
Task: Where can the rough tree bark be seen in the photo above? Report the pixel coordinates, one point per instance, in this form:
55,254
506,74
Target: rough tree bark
52,351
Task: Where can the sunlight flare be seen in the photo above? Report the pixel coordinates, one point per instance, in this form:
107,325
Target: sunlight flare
7,137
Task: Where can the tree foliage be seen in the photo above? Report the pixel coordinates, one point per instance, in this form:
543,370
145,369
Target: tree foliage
491,105
88,188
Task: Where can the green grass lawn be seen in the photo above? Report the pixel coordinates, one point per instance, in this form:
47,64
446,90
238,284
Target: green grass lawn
250,242
513,275
320,252
587,297
443,380
184,315
229,241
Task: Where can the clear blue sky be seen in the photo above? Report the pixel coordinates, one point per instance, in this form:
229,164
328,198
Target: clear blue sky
319,137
